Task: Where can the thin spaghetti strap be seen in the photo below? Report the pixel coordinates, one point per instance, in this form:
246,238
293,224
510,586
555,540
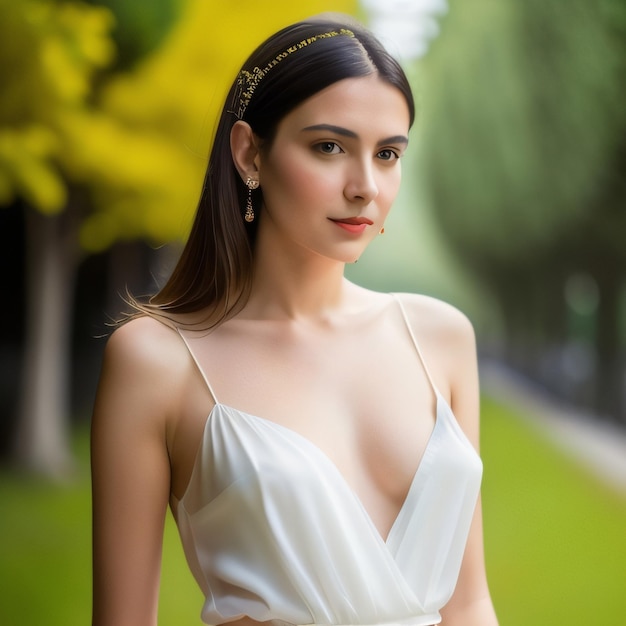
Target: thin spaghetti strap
415,343
195,360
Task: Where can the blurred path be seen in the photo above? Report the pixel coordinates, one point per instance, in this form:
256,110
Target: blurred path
596,444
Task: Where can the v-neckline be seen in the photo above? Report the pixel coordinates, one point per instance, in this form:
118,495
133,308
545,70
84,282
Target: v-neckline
303,440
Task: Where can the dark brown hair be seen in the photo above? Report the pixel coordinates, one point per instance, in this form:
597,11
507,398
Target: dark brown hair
214,271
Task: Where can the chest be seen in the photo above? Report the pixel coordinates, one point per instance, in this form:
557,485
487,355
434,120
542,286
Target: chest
361,397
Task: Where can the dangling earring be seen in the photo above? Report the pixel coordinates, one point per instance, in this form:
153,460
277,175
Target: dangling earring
382,231
250,184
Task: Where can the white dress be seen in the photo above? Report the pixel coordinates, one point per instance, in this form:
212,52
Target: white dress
272,531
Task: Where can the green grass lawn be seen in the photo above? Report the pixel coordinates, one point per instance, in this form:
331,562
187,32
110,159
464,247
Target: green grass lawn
555,541
555,536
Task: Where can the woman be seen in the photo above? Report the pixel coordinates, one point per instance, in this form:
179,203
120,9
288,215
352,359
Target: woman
330,483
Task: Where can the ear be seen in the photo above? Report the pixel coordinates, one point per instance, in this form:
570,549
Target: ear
244,149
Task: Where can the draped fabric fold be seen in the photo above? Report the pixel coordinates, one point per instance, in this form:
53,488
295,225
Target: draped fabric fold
272,530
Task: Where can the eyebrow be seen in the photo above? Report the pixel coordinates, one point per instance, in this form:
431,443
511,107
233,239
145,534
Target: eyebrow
339,130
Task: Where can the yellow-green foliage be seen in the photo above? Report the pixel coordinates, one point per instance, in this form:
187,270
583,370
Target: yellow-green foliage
48,53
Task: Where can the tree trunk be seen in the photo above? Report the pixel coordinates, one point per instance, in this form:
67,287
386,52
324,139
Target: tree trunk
42,442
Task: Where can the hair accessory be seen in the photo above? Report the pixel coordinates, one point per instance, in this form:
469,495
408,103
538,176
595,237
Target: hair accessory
251,184
248,81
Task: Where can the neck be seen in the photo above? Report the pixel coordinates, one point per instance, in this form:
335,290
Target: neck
295,284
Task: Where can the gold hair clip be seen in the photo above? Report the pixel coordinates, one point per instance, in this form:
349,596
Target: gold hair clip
248,81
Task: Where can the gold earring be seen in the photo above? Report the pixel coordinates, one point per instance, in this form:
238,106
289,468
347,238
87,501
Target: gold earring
251,184
382,231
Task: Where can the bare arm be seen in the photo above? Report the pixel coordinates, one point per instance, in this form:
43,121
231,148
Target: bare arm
447,338
471,603
130,475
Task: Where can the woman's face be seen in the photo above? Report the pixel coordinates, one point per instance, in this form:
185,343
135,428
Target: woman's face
333,170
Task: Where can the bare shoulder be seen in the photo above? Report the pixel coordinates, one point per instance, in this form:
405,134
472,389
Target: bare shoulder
447,342
145,365
144,342
436,320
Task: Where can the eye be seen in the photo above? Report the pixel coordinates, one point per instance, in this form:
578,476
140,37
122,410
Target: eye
388,155
328,147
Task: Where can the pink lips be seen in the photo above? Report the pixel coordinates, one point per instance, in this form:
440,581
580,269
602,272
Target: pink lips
354,225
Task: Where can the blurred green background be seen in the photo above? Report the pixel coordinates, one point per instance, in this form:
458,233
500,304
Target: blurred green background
513,207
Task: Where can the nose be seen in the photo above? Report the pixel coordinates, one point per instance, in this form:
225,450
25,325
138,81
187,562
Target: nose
361,185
